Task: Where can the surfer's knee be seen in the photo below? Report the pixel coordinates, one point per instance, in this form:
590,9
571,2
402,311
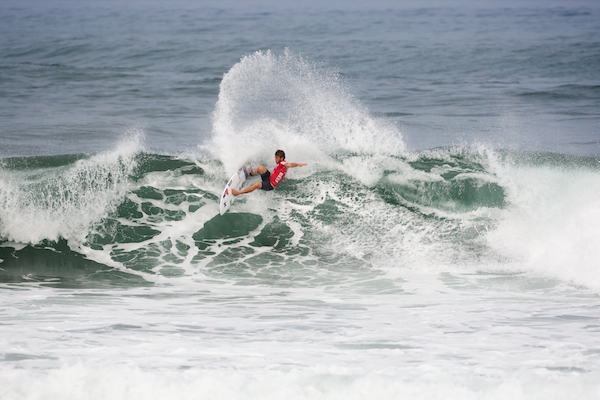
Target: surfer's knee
261,169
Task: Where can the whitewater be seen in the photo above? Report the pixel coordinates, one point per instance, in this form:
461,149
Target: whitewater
464,270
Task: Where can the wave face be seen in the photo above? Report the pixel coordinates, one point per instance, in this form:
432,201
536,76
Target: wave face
456,209
363,201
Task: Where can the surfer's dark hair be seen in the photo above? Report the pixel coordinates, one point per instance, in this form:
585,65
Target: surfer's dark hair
280,154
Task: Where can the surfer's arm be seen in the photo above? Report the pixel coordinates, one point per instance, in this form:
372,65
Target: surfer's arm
292,165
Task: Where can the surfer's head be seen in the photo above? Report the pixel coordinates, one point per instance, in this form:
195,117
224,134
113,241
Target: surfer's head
280,154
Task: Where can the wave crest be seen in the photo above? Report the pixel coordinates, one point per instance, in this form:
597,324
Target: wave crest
64,201
270,101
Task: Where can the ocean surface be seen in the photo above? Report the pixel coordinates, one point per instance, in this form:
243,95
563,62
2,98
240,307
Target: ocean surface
442,243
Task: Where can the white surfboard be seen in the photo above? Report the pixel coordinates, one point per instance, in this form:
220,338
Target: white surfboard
236,182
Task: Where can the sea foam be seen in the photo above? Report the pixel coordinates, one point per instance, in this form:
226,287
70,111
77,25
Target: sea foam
132,382
552,223
64,202
269,101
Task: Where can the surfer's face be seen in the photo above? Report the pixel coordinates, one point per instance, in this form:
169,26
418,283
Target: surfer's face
278,159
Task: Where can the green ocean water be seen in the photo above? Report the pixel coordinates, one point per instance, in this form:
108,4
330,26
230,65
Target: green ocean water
455,196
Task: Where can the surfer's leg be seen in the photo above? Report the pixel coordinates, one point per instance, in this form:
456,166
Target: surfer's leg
259,170
249,189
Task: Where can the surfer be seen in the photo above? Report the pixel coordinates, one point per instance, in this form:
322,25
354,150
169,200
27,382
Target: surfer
269,180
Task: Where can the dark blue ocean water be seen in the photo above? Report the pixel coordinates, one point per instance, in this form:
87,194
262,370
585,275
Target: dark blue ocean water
75,77
441,243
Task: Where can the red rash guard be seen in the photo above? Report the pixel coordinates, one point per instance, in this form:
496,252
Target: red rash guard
278,173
